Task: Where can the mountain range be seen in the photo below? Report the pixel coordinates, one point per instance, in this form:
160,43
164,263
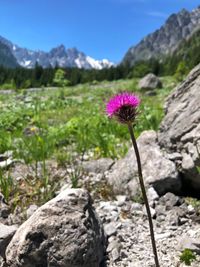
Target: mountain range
59,56
165,41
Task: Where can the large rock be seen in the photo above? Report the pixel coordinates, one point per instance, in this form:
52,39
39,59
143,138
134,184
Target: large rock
65,232
180,128
150,81
97,166
6,234
158,170
4,208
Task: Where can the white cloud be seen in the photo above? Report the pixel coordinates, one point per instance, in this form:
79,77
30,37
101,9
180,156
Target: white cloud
157,14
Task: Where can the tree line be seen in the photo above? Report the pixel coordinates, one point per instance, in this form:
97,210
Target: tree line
27,78
178,64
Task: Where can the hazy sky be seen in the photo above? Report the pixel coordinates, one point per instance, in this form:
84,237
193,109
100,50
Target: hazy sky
99,28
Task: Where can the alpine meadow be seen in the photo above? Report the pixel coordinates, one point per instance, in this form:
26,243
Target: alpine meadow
100,161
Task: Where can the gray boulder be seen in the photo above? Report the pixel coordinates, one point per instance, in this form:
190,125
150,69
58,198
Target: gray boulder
4,208
158,170
149,82
6,234
180,129
97,166
64,232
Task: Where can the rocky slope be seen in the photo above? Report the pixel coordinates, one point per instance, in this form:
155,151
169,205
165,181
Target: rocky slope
65,232
187,53
59,56
180,129
165,40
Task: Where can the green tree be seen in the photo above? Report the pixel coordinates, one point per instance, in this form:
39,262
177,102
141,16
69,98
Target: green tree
59,78
181,71
140,69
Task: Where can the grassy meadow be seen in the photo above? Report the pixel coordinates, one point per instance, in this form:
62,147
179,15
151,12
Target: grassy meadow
62,124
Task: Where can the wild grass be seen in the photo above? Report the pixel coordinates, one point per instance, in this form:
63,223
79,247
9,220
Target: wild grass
187,256
57,122
6,184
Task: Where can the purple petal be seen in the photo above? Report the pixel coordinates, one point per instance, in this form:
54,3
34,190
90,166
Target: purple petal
120,100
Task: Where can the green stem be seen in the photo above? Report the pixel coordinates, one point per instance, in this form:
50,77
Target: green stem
36,169
130,127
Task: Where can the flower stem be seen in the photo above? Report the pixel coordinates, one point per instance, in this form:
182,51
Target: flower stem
130,127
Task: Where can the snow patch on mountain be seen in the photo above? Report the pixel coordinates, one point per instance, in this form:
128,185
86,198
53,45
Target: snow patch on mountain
93,63
58,56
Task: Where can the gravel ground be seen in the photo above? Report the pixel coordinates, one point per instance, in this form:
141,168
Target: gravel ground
129,243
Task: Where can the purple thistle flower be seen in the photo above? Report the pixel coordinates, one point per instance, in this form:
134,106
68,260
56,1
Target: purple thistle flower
124,107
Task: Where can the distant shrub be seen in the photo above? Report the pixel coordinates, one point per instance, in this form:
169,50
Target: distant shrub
59,78
6,184
7,86
181,71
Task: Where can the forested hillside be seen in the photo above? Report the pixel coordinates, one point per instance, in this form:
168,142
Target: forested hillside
186,55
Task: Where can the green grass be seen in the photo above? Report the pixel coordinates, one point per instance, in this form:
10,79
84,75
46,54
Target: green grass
6,184
187,256
76,115
42,125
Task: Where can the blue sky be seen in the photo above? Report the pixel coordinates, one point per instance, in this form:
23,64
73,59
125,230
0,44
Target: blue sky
99,28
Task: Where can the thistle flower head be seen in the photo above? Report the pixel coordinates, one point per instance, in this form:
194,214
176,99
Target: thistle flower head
123,107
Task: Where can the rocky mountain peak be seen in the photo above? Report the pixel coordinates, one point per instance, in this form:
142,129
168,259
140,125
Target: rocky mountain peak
165,40
59,48
58,51
74,52
58,56
183,12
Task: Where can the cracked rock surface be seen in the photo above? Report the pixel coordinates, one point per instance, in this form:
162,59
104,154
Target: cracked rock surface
64,232
180,129
158,169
